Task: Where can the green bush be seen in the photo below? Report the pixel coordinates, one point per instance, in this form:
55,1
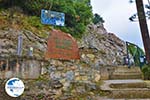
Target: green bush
97,19
35,21
78,13
146,72
34,7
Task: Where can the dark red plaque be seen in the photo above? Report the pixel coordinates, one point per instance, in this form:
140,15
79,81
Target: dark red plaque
62,46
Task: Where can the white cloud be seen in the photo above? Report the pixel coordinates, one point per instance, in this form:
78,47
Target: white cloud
116,14
100,6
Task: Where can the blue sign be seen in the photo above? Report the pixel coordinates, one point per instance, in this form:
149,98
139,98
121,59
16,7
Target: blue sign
52,18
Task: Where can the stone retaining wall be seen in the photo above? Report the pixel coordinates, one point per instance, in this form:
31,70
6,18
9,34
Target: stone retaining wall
21,67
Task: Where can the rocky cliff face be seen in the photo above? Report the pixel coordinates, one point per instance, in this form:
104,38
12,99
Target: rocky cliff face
107,48
9,41
97,47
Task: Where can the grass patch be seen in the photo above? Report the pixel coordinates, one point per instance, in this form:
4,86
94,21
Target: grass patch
34,22
20,21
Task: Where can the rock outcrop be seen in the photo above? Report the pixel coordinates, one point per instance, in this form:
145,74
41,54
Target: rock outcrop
97,47
9,41
107,48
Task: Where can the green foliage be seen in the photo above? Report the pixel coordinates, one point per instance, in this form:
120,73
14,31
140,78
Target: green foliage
97,19
34,7
136,52
78,13
30,6
35,22
146,72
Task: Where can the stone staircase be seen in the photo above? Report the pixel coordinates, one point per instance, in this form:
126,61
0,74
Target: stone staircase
123,72
126,83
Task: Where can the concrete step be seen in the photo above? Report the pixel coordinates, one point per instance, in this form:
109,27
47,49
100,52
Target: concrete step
126,73
130,89
126,69
128,85
126,77
108,83
131,93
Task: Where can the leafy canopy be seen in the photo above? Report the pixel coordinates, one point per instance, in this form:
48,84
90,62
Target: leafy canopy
78,13
136,52
97,19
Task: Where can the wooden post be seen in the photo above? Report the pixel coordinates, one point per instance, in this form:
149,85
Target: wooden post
144,28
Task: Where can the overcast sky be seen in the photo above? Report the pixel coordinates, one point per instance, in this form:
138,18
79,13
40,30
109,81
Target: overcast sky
116,14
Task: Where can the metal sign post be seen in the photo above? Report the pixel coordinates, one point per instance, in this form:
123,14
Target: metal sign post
20,42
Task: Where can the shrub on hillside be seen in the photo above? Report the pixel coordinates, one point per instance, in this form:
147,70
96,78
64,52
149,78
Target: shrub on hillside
78,13
146,72
97,19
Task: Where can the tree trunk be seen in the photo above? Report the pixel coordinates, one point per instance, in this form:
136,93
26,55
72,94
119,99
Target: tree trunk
144,28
